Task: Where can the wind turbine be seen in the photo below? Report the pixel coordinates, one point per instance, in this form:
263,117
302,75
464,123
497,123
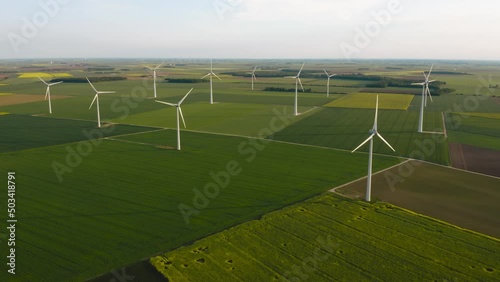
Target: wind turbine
253,76
328,84
211,74
96,98
427,81
179,113
297,82
154,76
373,133
425,91
47,93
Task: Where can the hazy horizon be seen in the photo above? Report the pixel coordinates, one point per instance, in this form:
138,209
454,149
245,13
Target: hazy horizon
251,29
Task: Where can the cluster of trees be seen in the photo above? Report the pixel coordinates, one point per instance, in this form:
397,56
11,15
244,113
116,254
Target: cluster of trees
282,89
450,72
92,79
185,80
100,69
384,82
373,81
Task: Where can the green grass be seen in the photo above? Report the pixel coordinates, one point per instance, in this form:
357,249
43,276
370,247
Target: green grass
121,203
331,238
22,132
228,118
474,130
472,139
368,101
347,128
483,115
459,103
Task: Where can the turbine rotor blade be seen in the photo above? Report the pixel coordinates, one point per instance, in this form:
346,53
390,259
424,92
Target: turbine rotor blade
387,143
170,104
301,69
429,93
158,66
42,80
376,115
430,71
364,142
106,92
206,75
182,116
216,76
55,83
91,104
301,85
47,93
185,96
418,83
326,73
91,85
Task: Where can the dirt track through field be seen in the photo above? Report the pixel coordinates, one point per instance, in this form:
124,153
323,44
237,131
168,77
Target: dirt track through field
475,159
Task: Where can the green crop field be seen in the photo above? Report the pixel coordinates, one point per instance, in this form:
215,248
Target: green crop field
331,238
119,202
476,130
87,205
483,115
22,132
347,128
368,101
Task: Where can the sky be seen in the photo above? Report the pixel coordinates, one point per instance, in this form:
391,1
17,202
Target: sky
254,29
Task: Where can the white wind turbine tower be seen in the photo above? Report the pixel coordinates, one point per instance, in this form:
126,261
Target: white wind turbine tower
328,83
47,93
211,74
425,91
253,76
373,133
154,76
179,113
96,99
297,82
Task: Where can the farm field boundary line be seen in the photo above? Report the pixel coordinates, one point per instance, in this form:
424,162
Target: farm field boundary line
232,135
130,142
314,108
448,224
276,141
334,190
454,168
